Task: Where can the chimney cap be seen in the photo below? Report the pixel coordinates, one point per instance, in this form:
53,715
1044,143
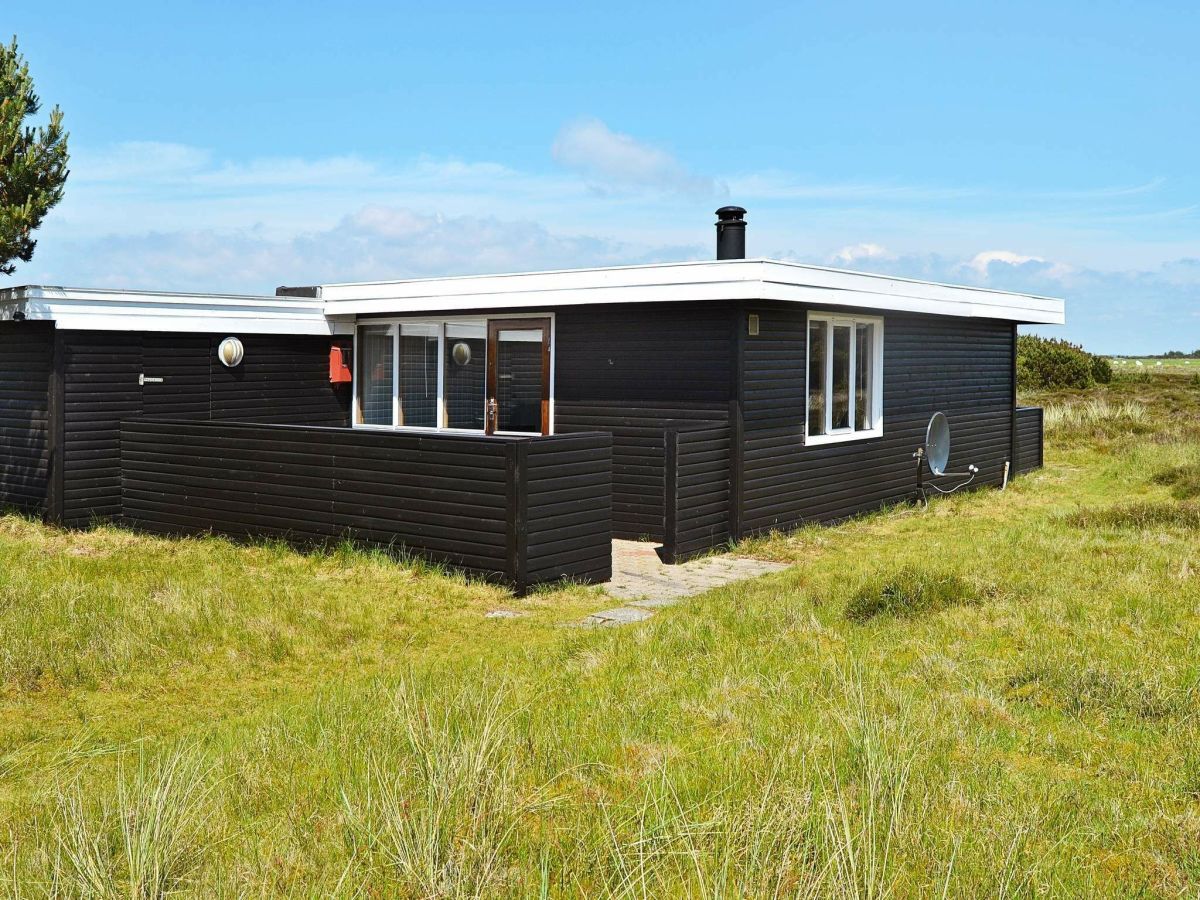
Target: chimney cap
730,213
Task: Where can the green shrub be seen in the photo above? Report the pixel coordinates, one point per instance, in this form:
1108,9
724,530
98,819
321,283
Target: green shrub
1054,363
911,591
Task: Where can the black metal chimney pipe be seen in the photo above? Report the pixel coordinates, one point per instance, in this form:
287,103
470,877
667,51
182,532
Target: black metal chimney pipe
731,233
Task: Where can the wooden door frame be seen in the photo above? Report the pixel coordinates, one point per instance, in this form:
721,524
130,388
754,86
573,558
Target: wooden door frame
494,326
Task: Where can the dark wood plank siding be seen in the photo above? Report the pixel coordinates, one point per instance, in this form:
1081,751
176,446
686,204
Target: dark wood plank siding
1029,438
182,361
100,388
568,508
960,366
698,490
441,497
283,379
26,354
632,370
638,457
189,478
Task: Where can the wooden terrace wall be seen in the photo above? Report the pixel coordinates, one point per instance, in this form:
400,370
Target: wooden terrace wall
521,511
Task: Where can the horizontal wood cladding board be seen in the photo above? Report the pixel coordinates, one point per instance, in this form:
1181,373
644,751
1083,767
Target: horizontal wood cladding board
355,485
568,508
698,491
653,353
100,389
638,430
442,497
26,355
1029,438
452,511
962,367
283,379
182,361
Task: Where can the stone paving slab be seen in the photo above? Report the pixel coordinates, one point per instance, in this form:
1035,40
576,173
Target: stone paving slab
622,615
642,580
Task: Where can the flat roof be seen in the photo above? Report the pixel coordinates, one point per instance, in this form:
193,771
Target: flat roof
104,309
333,308
740,279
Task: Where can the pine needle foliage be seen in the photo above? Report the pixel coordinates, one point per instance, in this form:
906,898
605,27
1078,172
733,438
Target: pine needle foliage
33,161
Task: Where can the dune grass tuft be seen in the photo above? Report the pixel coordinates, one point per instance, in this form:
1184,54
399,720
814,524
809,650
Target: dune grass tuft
912,591
147,842
1094,412
1184,481
1141,515
441,801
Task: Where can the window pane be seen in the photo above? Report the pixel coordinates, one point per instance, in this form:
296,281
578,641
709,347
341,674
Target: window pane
817,355
375,375
465,374
418,375
841,376
864,376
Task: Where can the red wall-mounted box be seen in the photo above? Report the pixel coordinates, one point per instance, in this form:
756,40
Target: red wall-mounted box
339,365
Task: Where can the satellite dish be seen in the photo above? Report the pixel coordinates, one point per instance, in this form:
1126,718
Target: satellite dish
937,443
935,453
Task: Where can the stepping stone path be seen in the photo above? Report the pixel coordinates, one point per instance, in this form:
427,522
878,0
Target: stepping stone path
645,584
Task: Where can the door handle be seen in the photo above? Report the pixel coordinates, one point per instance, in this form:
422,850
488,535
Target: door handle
491,412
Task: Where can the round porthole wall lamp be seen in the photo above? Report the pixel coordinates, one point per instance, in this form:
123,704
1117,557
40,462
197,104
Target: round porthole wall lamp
461,353
231,352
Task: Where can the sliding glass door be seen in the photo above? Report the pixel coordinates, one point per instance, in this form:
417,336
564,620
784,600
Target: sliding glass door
489,376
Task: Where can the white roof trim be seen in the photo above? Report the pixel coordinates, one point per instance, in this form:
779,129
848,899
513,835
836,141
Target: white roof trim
91,309
749,279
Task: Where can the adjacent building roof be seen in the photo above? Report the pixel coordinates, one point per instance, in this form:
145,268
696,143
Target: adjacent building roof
115,310
742,279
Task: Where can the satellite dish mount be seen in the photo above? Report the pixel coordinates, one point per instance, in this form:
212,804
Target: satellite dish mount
935,453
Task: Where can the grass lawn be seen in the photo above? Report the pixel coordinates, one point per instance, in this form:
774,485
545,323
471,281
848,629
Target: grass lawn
995,696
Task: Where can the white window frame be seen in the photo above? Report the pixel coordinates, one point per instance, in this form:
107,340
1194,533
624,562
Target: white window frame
842,435
441,322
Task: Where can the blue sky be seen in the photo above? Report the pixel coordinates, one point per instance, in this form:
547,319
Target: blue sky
1047,147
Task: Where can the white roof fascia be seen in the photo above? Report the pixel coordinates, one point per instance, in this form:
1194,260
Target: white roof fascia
677,282
88,309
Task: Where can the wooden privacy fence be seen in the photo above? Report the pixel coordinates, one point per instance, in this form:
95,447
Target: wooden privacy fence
519,510
696,490
1029,439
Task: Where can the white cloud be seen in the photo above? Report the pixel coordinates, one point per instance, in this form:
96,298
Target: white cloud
991,260
855,252
981,261
609,159
133,162
1137,310
374,242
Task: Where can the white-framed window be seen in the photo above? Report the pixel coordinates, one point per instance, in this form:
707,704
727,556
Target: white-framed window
431,373
845,378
